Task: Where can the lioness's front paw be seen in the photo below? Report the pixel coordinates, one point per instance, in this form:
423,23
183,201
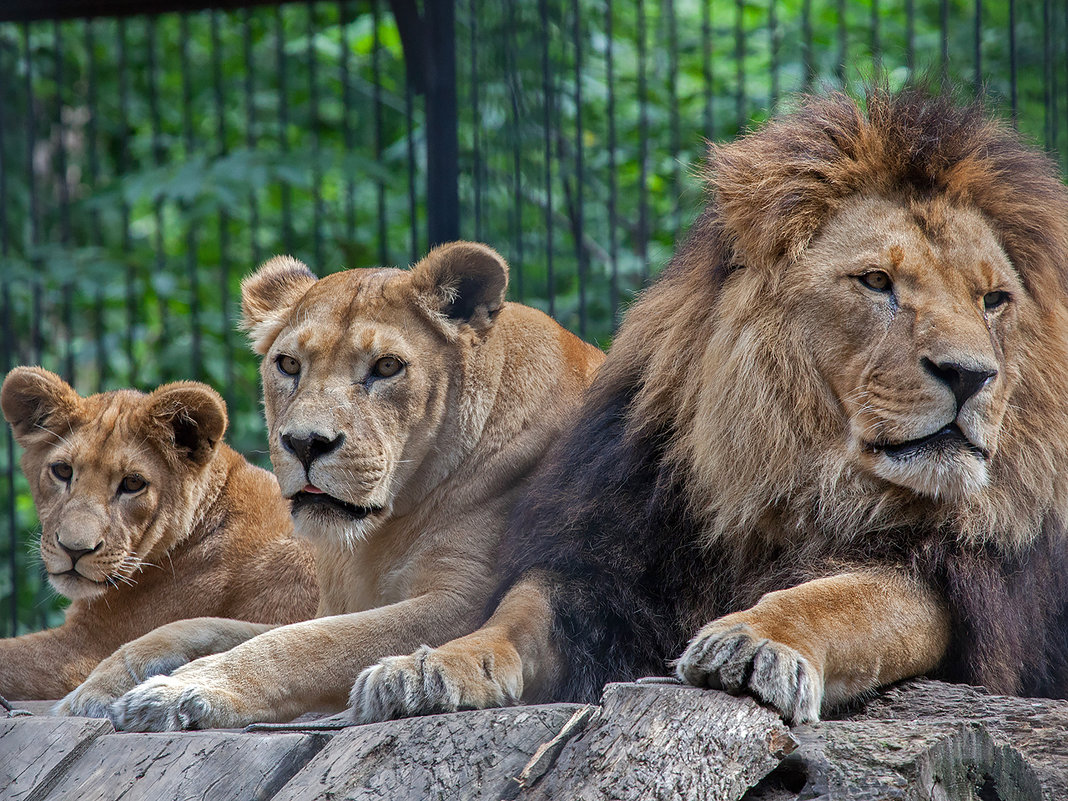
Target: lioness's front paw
735,659
433,680
173,703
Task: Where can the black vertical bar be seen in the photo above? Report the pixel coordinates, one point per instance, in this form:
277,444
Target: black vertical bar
93,174
250,130
1047,74
706,65
413,210
547,116
158,158
978,44
806,44
613,249
191,265
843,44
739,63
1012,59
442,140
345,18
580,178
313,113
283,125
5,327
910,36
675,137
67,291
944,32
876,44
514,89
476,124
641,246
124,164
37,334
774,39
376,78
224,218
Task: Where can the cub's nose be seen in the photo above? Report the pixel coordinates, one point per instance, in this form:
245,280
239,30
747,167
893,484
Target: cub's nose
76,553
962,381
308,448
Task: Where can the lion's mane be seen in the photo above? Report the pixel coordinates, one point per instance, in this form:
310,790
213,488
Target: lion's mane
707,467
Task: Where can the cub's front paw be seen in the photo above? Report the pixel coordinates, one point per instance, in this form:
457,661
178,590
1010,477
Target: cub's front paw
434,680
734,658
111,679
173,703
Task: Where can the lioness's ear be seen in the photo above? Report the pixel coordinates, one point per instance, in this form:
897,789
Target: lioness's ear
268,294
36,401
191,416
464,281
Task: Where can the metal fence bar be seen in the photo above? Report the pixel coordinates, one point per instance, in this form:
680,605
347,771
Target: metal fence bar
189,144
547,114
225,267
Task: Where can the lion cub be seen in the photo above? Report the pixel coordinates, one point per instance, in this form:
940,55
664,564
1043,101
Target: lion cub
406,410
146,517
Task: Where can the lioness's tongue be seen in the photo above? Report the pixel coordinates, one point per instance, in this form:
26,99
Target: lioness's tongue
311,489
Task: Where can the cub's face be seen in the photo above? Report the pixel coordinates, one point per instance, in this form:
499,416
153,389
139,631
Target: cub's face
108,473
361,373
913,315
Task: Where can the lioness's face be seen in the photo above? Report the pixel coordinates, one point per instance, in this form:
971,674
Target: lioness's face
913,315
111,475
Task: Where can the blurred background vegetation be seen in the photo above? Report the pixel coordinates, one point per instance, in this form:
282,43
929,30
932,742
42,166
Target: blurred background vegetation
147,163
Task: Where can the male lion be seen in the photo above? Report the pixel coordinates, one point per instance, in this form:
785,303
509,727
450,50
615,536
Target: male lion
836,427
405,411
147,516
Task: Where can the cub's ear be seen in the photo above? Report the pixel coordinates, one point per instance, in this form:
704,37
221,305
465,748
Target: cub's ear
267,296
190,416
463,281
36,401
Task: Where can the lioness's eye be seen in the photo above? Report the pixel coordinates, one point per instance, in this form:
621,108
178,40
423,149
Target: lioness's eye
62,470
991,300
876,280
131,484
387,367
287,364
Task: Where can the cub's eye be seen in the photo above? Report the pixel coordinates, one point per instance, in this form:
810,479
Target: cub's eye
131,484
387,367
62,470
876,280
992,300
287,365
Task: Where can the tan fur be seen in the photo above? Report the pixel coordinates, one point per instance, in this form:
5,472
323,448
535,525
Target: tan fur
434,454
208,535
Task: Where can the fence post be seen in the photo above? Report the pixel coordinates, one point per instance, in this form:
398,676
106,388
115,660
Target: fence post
429,42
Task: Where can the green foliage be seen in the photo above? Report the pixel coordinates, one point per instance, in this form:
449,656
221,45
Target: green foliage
146,165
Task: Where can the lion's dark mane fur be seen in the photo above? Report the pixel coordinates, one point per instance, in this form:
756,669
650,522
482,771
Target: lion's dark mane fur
611,521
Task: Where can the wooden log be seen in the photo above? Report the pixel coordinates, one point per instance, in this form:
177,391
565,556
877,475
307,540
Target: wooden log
465,755
36,751
169,767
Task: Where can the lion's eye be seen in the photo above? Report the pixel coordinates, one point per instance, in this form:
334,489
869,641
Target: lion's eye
876,280
387,367
992,300
131,484
288,365
62,471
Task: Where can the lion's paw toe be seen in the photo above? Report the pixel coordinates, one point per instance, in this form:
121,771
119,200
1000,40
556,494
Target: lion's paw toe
735,659
164,703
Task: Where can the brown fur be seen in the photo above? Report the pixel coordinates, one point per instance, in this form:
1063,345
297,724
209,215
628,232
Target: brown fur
208,535
431,458
749,434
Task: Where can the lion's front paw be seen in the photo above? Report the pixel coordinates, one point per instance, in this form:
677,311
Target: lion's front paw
112,678
173,703
735,659
433,680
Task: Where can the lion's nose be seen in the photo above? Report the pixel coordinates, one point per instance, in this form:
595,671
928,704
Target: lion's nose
309,448
77,553
962,381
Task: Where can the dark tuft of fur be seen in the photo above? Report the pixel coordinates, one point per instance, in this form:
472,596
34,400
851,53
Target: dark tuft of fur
608,520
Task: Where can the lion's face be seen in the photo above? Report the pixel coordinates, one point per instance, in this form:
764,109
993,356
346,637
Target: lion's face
912,314
109,473
361,375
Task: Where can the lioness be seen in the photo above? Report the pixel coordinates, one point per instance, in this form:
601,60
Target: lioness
828,449
147,516
406,409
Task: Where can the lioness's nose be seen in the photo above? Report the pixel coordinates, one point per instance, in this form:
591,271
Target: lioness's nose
309,448
962,381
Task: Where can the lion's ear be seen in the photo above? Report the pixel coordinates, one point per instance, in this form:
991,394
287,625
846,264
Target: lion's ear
36,401
464,281
190,416
267,296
